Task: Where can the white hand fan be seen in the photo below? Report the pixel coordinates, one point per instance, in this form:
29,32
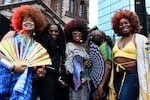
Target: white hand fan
24,51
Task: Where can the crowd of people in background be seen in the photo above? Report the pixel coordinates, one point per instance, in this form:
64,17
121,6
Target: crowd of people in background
86,65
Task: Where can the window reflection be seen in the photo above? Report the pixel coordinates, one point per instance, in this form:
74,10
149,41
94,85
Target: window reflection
81,9
71,6
11,1
7,1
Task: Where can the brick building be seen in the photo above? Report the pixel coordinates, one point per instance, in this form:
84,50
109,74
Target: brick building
55,11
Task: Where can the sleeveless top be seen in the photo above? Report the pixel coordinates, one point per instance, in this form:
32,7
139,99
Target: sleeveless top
128,51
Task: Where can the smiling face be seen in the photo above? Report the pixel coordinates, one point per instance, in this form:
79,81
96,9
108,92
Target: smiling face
28,25
77,36
125,26
53,31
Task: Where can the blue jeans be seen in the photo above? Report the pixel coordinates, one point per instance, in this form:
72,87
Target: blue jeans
130,88
4,96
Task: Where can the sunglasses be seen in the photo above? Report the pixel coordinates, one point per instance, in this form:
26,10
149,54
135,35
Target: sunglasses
76,32
28,19
53,31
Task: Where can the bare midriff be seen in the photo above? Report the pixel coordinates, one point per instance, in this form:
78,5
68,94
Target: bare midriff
128,64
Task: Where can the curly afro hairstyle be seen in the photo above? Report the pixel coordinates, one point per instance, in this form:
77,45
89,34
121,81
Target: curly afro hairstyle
75,25
131,16
28,11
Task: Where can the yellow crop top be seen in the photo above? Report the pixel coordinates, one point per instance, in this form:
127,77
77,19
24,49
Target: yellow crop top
129,50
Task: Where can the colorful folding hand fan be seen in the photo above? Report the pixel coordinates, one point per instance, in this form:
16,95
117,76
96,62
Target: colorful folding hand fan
24,51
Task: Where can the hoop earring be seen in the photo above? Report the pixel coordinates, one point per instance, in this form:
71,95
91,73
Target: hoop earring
33,33
81,41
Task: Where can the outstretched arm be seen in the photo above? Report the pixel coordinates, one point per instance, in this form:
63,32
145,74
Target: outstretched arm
5,63
8,35
14,68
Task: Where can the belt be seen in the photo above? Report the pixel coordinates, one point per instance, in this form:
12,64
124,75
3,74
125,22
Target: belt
120,66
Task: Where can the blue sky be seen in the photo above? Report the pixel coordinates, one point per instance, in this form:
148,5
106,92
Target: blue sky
93,15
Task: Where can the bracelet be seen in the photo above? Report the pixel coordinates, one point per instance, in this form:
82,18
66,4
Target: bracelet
6,64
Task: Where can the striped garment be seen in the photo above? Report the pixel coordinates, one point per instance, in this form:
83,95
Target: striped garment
105,51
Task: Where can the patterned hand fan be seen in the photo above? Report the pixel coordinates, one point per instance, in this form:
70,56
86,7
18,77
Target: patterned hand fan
97,69
24,51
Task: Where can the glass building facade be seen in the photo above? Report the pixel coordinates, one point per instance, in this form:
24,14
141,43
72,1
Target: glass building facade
106,9
147,3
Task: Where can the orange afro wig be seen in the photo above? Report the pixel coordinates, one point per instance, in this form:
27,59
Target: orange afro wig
131,16
28,11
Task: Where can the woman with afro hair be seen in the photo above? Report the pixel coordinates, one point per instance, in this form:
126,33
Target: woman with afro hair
129,76
76,56
16,80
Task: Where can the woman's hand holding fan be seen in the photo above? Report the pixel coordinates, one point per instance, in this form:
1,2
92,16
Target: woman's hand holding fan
19,68
24,51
